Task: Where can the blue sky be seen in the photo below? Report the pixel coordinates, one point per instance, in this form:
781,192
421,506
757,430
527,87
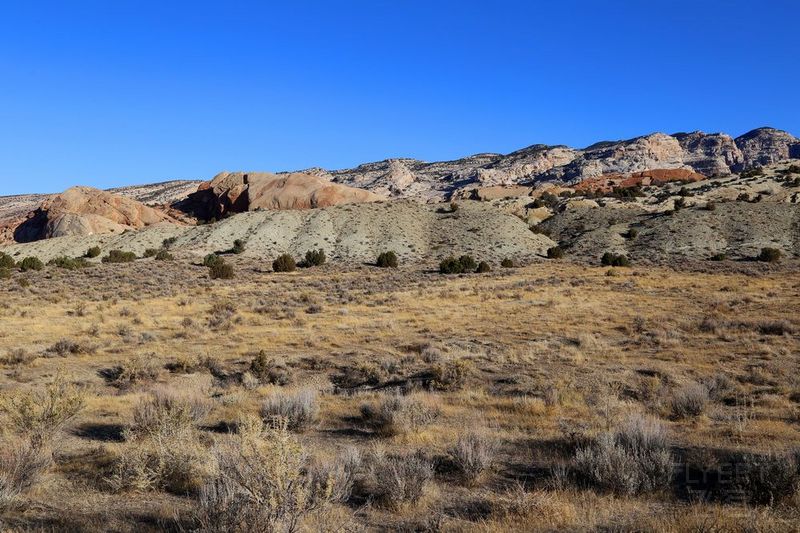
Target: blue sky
106,93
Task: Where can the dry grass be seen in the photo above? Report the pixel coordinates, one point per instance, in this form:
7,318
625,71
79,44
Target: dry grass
502,380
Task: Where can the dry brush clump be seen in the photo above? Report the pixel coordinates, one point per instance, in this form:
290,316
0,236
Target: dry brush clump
164,450
473,454
689,401
299,410
396,415
396,480
263,484
633,459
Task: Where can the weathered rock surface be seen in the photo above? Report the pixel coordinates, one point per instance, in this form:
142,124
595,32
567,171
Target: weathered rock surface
239,192
710,154
765,146
86,211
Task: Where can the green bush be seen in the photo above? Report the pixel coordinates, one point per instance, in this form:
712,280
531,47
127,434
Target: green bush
167,243
631,233
118,256
164,255
238,247
769,255
463,264
284,263
618,260
212,259
31,263
483,267
6,261
387,260
68,262
314,258
507,263
220,270
93,252
555,252
5,273
150,252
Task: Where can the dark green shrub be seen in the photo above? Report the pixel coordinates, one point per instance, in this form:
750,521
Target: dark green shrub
150,252
212,259
718,257
5,273
31,263
631,233
314,258
463,264
93,252
118,256
167,243
220,270
68,262
619,260
164,255
710,206
507,263
387,260
483,267
769,255
556,252
269,371
238,247
284,263
6,261
679,203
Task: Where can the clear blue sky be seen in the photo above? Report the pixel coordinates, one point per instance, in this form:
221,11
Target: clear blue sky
115,92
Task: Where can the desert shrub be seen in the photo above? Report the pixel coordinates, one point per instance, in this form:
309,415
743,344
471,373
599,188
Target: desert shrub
463,264
150,252
396,480
710,206
163,255
5,273
166,414
387,260
299,410
769,255
314,258
221,270
774,327
396,415
238,247
473,454
284,263
634,459
483,267
21,465
689,401
65,347
118,256
262,485
267,370
767,479
611,259
450,375
721,256
679,203
507,263
93,252
212,259
168,242
31,263
68,263
41,413
136,370
631,234
6,261
556,252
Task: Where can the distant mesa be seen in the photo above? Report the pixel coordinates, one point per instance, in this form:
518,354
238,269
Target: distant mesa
86,211
238,192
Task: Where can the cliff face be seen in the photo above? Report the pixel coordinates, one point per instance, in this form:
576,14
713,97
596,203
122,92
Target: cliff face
764,146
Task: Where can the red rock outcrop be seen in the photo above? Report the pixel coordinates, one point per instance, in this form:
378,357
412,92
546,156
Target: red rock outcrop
609,182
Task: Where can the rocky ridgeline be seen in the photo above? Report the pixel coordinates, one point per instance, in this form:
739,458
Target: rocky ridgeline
707,154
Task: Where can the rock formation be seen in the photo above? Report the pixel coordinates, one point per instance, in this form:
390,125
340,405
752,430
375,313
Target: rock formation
238,192
764,146
86,211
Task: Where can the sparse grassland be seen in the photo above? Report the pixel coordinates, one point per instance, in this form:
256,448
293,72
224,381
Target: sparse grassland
550,396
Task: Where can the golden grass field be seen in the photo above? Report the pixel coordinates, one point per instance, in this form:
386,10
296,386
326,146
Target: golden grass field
536,362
